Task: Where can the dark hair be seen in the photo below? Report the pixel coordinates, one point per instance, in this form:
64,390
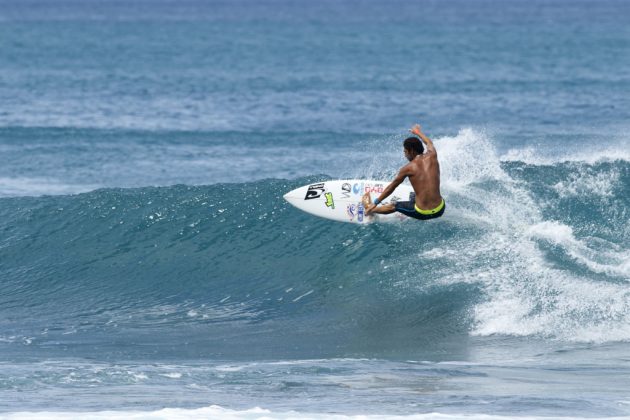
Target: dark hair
414,144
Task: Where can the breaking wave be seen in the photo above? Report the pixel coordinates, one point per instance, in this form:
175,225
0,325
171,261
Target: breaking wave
525,249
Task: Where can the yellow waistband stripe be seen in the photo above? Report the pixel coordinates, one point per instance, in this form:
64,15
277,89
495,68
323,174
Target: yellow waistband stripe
433,211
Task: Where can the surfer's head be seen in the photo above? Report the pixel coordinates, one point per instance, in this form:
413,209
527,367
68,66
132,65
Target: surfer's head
413,147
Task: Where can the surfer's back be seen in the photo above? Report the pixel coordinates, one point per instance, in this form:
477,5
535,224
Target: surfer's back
425,179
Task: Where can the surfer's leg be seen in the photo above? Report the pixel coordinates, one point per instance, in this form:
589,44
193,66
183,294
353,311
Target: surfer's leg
406,207
384,209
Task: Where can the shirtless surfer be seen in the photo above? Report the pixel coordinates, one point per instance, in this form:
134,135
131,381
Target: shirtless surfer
423,171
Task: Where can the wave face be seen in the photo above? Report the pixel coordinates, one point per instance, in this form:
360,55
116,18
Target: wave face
231,270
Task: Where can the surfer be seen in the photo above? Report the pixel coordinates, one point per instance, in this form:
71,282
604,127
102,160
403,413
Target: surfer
423,171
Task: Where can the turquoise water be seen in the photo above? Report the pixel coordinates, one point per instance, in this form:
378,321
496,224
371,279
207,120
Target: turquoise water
148,261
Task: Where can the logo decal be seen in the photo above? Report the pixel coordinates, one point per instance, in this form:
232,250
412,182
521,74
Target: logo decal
374,188
345,190
361,212
351,210
315,191
361,188
329,200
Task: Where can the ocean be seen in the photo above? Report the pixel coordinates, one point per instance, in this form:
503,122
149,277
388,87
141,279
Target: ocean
149,267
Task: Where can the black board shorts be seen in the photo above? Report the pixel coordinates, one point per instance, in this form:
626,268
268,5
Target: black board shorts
409,208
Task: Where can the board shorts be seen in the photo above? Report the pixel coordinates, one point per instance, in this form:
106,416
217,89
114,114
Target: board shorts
409,208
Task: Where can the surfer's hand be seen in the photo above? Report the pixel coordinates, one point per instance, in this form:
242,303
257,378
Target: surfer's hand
369,209
416,129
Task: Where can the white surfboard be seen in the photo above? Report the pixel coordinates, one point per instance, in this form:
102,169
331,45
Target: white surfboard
340,200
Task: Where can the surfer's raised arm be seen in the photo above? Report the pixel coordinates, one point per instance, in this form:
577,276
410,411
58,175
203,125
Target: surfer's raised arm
417,131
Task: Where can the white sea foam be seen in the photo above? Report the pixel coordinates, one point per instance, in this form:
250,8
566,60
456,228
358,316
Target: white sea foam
590,155
217,412
612,263
584,183
467,158
527,296
16,339
526,293
172,375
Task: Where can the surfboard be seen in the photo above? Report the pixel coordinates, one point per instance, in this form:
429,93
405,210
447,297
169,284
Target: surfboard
340,200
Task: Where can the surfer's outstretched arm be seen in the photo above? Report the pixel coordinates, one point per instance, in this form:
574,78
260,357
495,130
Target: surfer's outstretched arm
386,193
392,185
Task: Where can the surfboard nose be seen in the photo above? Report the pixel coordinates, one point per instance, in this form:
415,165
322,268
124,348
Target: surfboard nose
291,197
295,195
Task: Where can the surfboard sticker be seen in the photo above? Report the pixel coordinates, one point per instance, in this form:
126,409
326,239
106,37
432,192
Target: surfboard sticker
341,200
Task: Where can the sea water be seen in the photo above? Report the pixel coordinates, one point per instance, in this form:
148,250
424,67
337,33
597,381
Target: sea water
149,267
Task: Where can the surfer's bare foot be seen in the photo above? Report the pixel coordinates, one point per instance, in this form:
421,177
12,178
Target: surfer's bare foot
367,203
366,200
